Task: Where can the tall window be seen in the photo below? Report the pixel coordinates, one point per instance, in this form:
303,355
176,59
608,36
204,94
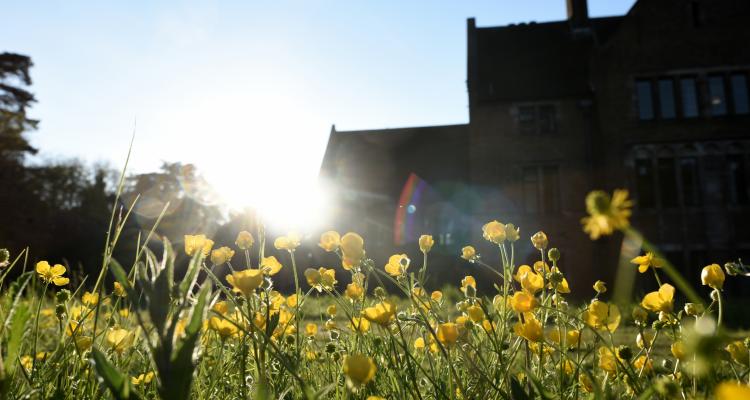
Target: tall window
689,181
541,189
689,97
667,182
666,98
716,95
739,93
644,182
737,180
645,99
537,119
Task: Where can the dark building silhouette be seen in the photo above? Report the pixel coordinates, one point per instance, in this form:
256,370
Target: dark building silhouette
655,101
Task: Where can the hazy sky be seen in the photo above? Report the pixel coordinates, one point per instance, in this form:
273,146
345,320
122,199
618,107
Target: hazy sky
246,88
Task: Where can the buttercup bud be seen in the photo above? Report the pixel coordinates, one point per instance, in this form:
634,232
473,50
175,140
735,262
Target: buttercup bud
640,315
62,296
330,348
4,257
624,352
553,254
600,287
694,309
556,277
731,269
379,292
60,311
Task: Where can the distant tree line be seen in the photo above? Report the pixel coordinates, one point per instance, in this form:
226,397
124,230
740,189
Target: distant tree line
61,209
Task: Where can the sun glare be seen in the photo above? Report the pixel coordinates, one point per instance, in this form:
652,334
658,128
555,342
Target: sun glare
275,174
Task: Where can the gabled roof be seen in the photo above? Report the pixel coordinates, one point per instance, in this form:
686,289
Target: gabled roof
533,61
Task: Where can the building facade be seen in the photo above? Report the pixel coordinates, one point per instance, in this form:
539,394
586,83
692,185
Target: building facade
655,101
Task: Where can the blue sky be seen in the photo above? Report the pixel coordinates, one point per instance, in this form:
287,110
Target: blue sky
238,86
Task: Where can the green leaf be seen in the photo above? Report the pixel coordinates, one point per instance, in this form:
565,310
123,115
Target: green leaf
117,382
177,376
158,302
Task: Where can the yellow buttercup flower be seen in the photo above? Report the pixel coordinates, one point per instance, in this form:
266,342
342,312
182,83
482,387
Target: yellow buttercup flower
731,390
475,312
643,363
223,327
678,350
602,316
530,329
607,360
563,286
142,379
83,343
246,281
512,233
360,324
311,329
520,272
713,276
291,301
531,282
119,290
397,265
221,307
221,255
600,287
27,362
646,261
447,333
90,299
289,242
468,253
51,274
425,243
572,338
321,279
330,241
436,296
354,292
606,213
468,281
120,339
586,383
523,302
270,266
331,310
381,313
359,370
352,249
494,232
539,240
661,300
195,243
244,240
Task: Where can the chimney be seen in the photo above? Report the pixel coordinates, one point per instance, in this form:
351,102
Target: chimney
578,13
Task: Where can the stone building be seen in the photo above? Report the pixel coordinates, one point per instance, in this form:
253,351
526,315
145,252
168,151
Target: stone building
655,101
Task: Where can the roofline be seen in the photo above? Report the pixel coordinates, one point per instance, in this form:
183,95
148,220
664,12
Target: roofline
384,130
534,23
